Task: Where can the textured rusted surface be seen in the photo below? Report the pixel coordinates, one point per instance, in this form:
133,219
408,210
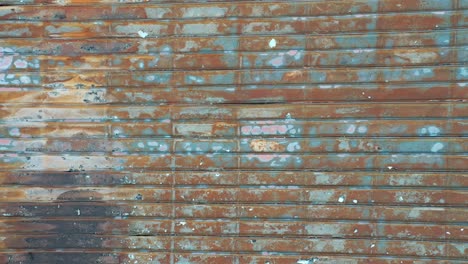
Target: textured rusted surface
233,132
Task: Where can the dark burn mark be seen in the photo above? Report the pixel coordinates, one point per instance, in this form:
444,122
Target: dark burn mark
88,48
59,258
60,16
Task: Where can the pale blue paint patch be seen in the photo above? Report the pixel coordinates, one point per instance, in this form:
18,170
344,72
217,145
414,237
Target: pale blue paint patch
437,147
20,78
463,54
373,5
192,79
462,73
463,3
430,131
419,74
166,50
254,77
353,42
271,128
155,78
463,22
223,78
152,63
355,58
362,129
318,76
367,75
116,61
14,132
367,180
370,162
231,59
314,143
206,146
226,43
313,131
414,146
437,5
278,161
293,147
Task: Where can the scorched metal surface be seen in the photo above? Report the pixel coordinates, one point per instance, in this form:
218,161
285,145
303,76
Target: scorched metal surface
233,132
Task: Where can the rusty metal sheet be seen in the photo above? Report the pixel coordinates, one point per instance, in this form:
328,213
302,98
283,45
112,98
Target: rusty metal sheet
157,131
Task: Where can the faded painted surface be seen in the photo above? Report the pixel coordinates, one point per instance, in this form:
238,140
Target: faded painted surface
233,132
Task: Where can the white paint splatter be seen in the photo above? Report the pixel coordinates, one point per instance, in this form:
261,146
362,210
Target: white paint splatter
78,212
355,201
25,79
433,131
362,129
142,34
341,199
437,146
351,129
14,132
306,261
344,145
272,43
293,147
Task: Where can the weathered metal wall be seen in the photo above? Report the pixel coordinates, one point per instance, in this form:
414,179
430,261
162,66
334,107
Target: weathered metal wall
233,132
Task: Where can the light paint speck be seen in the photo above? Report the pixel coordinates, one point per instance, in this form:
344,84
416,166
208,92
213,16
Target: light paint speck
142,34
341,199
272,43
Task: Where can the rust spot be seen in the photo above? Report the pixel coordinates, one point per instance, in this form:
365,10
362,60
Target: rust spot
261,145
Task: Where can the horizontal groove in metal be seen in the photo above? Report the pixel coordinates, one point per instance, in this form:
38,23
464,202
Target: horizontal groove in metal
233,131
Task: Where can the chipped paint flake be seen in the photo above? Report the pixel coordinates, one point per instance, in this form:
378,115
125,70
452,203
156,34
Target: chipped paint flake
272,43
142,34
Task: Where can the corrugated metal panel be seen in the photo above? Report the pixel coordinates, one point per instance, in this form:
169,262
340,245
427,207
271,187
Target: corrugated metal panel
233,132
